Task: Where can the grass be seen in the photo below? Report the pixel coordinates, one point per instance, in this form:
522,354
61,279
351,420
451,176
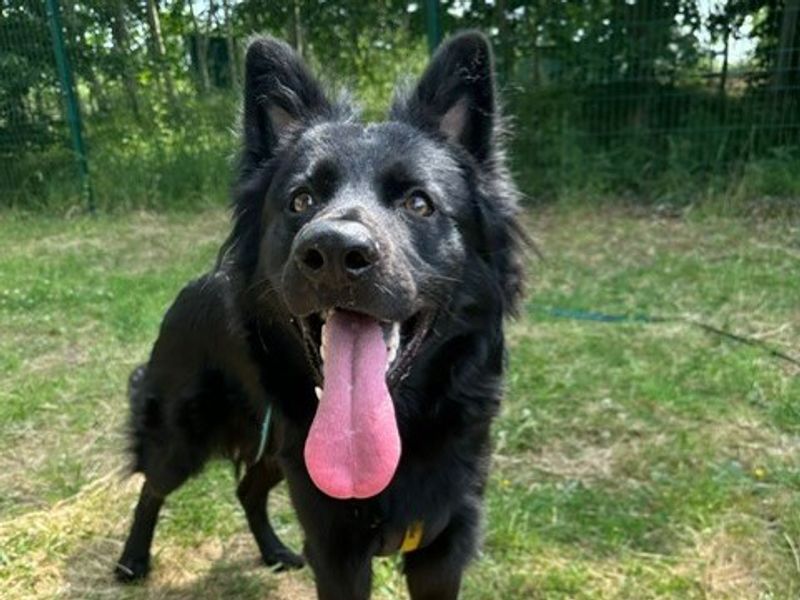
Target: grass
632,460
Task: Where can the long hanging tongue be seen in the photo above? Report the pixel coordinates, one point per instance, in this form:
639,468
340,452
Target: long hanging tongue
353,447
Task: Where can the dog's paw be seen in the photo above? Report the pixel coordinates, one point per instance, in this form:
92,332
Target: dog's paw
283,559
130,570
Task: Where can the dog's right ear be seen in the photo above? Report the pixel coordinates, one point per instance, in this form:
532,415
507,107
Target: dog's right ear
280,94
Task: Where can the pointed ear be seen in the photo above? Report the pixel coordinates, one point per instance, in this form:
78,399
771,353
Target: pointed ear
279,94
456,97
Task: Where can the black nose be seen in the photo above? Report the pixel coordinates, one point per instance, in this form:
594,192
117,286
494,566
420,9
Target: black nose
335,251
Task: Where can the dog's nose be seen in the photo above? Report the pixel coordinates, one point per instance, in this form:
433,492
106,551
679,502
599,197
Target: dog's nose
335,251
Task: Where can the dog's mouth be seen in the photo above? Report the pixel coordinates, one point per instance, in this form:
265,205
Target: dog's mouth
353,445
402,339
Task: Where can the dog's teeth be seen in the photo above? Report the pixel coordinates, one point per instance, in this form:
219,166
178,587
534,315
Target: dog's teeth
394,336
393,343
318,392
323,350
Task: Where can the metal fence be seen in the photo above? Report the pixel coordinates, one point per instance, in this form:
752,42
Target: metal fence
636,87
653,87
38,107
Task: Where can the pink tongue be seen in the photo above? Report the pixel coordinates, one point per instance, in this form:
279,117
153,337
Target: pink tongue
353,447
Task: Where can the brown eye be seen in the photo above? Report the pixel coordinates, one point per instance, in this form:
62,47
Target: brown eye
419,204
301,202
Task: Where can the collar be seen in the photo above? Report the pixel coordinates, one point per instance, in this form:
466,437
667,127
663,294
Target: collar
262,442
412,537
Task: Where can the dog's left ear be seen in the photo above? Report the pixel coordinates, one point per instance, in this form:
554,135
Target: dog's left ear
456,95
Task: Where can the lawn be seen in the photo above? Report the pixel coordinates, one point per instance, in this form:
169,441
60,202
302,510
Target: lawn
632,460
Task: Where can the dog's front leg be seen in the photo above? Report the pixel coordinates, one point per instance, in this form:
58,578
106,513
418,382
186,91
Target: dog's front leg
340,573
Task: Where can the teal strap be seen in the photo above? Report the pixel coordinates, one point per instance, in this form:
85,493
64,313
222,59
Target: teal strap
262,444
601,317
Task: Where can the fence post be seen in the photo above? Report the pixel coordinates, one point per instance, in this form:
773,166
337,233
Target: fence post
71,100
432,24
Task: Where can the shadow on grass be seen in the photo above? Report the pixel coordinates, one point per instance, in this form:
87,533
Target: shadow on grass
216,569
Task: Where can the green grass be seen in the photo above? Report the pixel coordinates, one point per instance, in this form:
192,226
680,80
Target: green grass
177,158
631,460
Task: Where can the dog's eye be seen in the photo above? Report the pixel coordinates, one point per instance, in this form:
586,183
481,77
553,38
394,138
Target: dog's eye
301,202
419,204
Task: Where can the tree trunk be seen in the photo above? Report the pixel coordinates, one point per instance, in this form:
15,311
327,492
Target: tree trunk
97,94
159,50
201,48
723,76
504,40
119,31
297,28
231,45
209,22
785,67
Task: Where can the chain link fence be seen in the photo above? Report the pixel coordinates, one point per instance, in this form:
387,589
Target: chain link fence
606,95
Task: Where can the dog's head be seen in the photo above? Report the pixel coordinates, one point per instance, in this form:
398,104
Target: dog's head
368,234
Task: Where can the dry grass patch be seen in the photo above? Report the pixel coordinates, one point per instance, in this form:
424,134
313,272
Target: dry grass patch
70,549
740,558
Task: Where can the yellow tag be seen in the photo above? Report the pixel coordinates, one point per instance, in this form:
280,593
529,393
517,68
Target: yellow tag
412,537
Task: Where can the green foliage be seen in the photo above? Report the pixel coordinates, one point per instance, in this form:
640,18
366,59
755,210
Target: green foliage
682,159
643,98
182,158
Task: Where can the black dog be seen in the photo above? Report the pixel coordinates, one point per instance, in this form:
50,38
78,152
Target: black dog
373,265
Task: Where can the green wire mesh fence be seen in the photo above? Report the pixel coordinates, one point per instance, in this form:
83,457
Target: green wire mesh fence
617,91
33,132
640,88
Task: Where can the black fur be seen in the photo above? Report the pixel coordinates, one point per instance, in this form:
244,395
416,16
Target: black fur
450,277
